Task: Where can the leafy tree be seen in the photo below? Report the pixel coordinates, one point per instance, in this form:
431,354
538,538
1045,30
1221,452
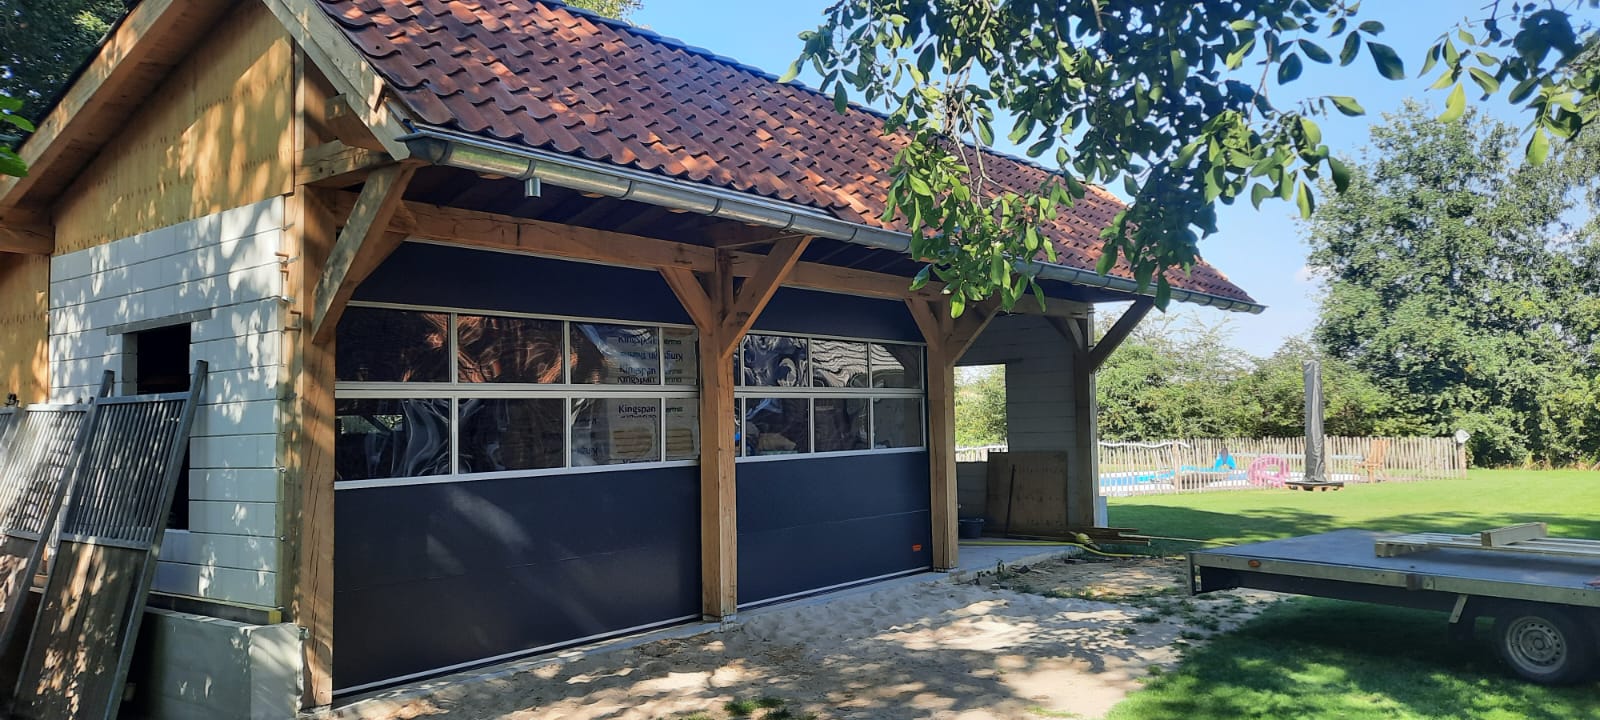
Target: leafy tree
43,42
610,8
981,407
10,162
1168,99
1174,377
1447,285
1272,398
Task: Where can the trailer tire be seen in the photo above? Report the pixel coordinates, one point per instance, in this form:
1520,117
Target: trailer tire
1547,644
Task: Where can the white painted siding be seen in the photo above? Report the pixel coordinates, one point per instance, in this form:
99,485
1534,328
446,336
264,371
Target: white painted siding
225,264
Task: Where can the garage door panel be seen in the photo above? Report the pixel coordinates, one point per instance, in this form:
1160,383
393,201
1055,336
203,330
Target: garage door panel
419,532
405,605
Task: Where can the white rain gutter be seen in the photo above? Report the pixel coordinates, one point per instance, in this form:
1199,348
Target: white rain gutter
459,150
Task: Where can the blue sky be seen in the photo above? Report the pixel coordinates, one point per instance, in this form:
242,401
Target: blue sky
1263,251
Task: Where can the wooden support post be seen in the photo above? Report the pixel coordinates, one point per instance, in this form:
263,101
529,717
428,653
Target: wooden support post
948,339
1118,332
363,244
723,315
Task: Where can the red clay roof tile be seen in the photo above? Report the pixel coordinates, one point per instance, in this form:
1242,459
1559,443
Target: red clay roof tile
539,74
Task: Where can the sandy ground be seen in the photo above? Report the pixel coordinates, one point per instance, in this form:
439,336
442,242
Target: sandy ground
1058,639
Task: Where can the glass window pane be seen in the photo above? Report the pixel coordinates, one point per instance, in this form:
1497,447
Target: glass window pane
382,345
391,438
683,429
508,349
841,424
511,434
777,426
613,431
838,363
897,422
615,355
897,366
774,361
681,360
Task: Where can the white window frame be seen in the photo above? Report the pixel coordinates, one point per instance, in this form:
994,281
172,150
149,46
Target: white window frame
455,390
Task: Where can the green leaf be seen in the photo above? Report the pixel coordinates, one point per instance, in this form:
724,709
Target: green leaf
1352,47
1163,292
926,59
1347,105
1388,63
1258,194
1312,133
1244,25
921,280
1304,200
1371,27
1522,90
17,121
1290,69
841,98
1484,80
1315,52
1456,105
958,304
1341,174
1108,260
1538,147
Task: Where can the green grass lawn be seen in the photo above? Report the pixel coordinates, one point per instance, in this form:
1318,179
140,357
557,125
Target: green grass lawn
1327,659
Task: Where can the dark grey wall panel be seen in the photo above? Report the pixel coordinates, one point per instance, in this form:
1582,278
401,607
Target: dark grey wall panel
811,523
483,280
428,576
423,274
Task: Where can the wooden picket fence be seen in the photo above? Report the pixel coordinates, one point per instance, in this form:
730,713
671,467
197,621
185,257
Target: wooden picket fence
1202,464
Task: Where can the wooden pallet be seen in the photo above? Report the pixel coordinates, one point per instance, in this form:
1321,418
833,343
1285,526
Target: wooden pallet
1528,539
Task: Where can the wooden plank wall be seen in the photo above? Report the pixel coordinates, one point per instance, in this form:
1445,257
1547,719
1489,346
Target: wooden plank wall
24,331
216,135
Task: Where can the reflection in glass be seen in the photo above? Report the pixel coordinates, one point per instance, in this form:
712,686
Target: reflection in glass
897,422
683,429
613,431
511,434
838,363
383,345
777,426
385,438
841,424
896,366
774,361
615,354
680,356
508,349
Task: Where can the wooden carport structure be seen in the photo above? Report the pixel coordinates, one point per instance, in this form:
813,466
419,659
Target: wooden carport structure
370,139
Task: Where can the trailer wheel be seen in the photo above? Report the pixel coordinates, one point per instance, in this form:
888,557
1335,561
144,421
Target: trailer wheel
1546,644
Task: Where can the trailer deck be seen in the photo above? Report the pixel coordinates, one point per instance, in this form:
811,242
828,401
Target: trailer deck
1547,607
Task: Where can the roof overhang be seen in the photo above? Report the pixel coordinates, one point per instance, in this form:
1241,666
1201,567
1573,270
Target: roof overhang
449,148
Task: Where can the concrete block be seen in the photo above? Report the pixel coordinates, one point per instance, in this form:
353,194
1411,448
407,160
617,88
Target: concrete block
189,667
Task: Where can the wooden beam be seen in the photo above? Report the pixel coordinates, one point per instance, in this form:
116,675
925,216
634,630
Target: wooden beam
336,163
711,310
948,339
27,239
363,243
122,70
1119,332
549,239
758,290
363,90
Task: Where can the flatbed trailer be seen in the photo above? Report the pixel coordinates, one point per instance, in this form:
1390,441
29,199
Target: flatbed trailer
1546,607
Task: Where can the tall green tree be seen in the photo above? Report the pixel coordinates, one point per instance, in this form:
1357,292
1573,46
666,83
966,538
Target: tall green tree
1168,99
1451,273
43,42
981,407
